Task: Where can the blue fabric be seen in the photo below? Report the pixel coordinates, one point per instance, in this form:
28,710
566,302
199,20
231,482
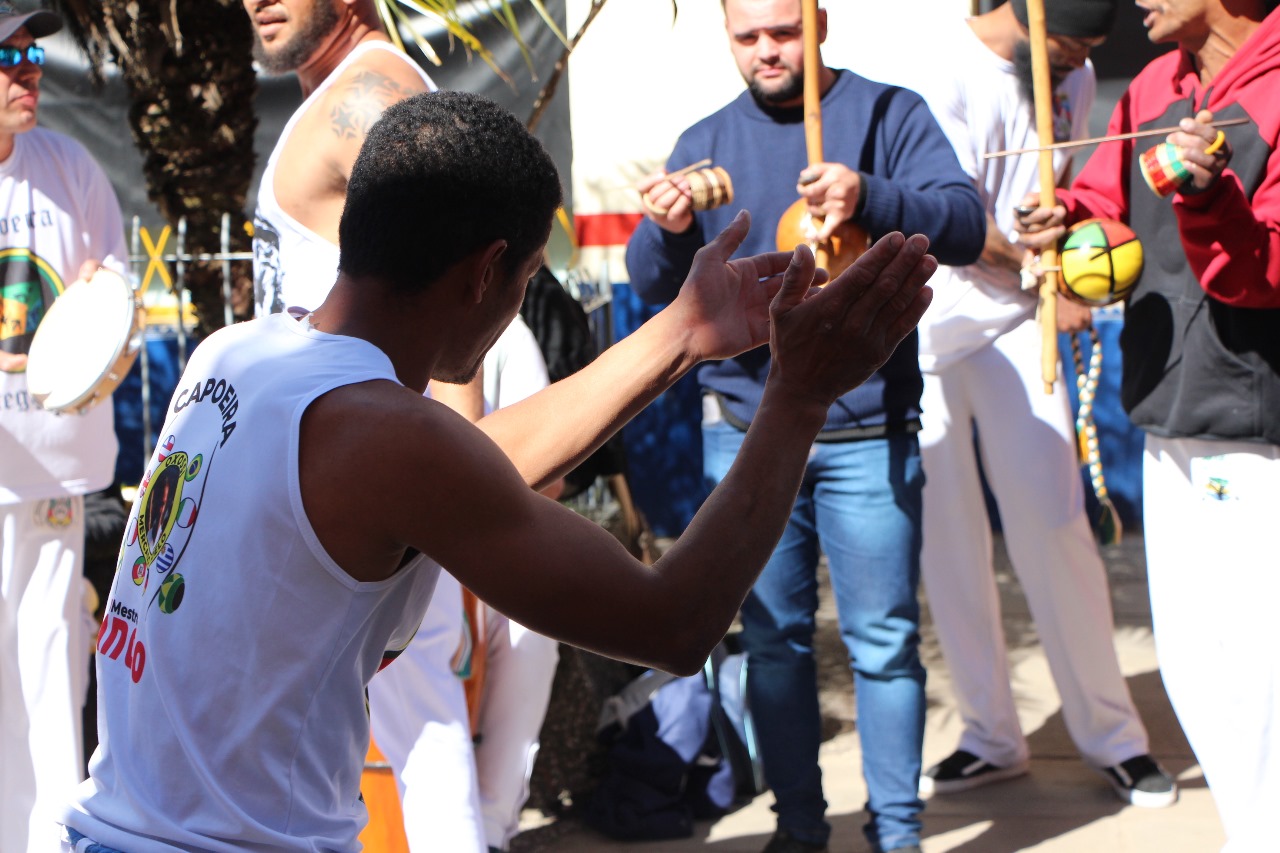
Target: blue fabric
95,847
911,182
663,444
861,503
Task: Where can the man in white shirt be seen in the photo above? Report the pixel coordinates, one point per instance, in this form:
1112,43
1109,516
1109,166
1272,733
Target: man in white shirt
980,355
60,220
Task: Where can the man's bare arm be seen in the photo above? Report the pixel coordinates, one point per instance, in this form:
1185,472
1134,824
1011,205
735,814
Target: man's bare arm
722,310
312,174
360,99
999,253
670,615
457,499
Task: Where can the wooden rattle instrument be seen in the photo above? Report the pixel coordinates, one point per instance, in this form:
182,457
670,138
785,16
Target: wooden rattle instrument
709,186
1164,169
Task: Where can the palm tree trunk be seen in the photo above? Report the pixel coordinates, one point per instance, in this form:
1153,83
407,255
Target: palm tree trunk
188,70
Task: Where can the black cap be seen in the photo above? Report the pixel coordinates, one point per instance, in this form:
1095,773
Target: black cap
1072,18
39,23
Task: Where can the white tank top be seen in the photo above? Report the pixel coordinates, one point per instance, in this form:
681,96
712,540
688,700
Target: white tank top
234,655
294,266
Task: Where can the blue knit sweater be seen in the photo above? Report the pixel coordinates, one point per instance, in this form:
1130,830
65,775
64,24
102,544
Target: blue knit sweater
911,182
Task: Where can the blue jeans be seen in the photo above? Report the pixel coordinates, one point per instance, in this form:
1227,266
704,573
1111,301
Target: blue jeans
72,839
861,502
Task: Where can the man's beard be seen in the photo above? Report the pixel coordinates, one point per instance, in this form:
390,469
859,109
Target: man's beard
790,92
1022,69
291,55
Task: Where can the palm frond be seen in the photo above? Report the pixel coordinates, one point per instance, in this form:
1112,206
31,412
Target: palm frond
459,20
548,20
391,16
502,12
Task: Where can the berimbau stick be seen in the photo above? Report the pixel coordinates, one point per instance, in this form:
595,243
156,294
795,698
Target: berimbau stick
1136,134
1043,92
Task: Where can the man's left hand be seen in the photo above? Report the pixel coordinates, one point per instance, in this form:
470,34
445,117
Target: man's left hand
725,304
11,362
1204,156
87,270
1072,316
832,191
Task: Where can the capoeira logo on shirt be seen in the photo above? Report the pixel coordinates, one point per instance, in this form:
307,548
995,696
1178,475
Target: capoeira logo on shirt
1223,478
55,513
162,526
28,286
157,535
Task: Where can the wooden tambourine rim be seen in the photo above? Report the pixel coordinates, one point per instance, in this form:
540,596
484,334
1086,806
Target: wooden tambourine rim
113,373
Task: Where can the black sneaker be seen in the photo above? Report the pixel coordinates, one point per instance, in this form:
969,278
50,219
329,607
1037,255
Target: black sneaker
962,770
784,842
1142,782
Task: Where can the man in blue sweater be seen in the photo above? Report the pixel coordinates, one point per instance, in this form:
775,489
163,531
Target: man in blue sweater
887,167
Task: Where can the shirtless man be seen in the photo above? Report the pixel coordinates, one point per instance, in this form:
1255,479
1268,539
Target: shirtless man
349,72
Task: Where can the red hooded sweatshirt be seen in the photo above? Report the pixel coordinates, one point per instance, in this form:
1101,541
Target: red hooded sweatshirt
1201,341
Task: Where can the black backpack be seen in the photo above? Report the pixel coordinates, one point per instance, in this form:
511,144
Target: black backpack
680,750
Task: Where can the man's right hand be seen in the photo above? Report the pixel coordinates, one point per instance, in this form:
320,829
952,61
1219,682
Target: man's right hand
12,362
667,201
827,342
723,306
1040,227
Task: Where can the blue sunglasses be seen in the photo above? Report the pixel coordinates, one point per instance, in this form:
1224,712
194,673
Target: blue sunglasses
11,57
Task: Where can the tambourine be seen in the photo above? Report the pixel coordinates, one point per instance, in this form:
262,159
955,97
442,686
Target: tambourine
86,343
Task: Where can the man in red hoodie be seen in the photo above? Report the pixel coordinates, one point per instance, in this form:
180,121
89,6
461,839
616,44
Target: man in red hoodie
1201,347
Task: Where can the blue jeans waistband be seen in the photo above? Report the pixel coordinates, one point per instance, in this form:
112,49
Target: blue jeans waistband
714,409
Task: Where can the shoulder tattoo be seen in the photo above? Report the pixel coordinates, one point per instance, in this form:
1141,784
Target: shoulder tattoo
362,100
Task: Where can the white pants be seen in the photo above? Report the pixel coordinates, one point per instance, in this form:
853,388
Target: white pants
454,797
45,637
1027,442
1210,511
